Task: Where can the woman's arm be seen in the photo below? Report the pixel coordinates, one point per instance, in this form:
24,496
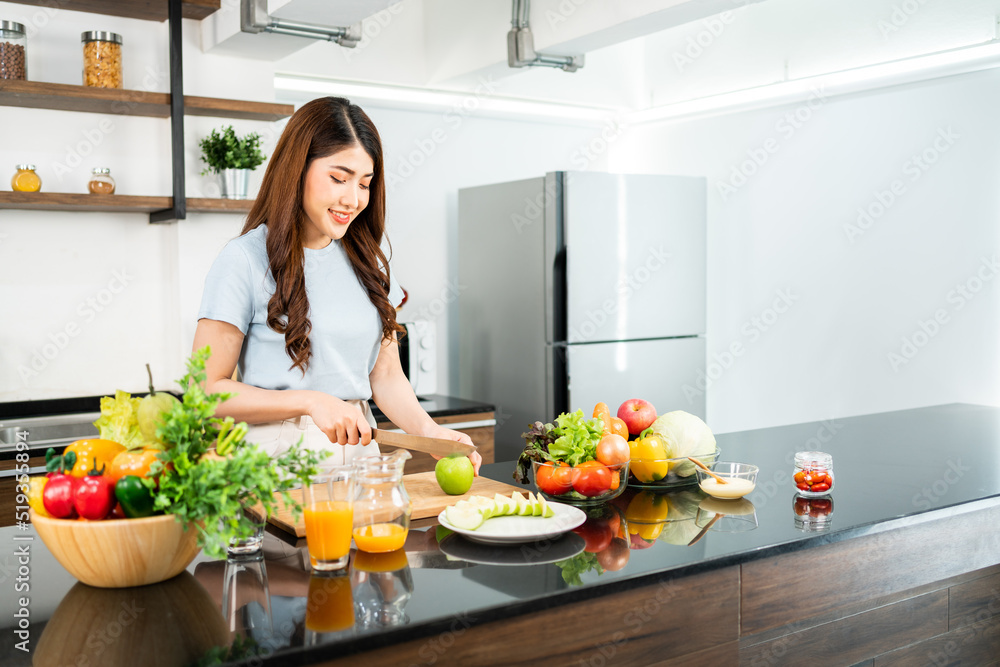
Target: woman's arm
341,422
394,396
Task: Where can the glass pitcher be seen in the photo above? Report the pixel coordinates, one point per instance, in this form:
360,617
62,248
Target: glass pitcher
381,505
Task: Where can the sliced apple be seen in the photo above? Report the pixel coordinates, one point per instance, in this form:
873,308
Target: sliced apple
547,511
536,506
466,518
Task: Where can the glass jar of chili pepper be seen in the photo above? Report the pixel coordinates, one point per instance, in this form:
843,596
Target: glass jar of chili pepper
813,474
813,515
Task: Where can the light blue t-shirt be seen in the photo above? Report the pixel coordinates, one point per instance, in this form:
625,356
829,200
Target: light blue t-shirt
346,330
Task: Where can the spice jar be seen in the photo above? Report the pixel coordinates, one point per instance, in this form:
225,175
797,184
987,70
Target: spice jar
102,59
101,182
13,51
813,474
25,179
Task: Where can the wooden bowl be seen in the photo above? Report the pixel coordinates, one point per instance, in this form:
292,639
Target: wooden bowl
119,552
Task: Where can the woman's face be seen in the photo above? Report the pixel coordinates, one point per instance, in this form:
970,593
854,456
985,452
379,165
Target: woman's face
334,194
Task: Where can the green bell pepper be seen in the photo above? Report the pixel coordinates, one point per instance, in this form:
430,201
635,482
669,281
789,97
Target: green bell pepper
136,500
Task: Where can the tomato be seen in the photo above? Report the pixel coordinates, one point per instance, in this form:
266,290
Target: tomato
57,496
591,478
596,534
94,497
615,557
820,488
613,450
554,479
800,477
134,462
603,412
803,486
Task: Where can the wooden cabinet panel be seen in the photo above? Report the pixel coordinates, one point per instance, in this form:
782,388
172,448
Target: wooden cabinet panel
642,626
857,637
974,601
834,577
975,645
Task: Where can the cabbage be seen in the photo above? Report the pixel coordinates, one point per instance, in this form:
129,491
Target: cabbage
684,435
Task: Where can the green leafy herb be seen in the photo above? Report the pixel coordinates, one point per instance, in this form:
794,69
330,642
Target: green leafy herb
579,564
211,491
537,439
577,438
228,151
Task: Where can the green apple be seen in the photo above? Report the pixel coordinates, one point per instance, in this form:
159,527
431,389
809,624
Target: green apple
454,475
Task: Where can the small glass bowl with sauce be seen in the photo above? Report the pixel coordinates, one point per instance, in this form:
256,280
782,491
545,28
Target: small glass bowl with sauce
741,479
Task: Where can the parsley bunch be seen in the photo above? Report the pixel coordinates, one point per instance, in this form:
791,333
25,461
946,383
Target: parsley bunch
210,491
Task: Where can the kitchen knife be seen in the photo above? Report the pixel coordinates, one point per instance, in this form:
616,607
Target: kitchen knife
420,443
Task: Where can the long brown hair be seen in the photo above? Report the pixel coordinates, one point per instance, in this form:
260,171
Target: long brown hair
319,129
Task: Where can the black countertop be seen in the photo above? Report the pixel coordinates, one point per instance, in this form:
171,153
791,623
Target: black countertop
892,470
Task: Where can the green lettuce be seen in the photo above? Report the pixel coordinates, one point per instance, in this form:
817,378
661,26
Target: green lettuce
119,420
577,438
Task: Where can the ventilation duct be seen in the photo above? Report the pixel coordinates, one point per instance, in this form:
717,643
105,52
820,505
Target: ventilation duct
255,19
521,44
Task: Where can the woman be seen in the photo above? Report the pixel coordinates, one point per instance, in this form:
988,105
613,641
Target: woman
303,299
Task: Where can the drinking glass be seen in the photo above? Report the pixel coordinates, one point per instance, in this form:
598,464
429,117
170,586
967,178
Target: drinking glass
329,605
329,516
249,545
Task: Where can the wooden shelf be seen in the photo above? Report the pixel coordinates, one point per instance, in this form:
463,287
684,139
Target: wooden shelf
65,97
72,201
202,205
149,10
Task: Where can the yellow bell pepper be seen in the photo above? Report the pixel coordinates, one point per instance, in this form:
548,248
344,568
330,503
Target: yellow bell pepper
91,452
36,487
649,454
646,514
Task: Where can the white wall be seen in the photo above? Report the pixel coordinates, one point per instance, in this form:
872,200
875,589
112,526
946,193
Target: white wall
52,263
784,228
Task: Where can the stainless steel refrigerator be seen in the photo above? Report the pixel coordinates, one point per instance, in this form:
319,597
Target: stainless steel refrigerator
580,287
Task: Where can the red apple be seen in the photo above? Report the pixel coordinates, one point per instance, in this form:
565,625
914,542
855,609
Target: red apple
637,414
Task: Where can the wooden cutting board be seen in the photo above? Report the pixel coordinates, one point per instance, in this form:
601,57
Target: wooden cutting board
426,499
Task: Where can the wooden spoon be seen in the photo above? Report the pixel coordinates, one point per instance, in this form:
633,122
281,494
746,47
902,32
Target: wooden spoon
705,468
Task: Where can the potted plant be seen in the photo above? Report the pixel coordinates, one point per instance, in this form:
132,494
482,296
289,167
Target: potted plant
233,158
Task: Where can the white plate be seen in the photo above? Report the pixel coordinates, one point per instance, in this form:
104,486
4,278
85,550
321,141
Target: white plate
521,529
561,548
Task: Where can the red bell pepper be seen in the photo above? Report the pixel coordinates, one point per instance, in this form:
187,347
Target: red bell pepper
94,496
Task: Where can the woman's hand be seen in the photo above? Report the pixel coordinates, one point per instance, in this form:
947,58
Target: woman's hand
443,433
340,421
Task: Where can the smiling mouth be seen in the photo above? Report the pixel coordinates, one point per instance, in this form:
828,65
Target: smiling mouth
340,218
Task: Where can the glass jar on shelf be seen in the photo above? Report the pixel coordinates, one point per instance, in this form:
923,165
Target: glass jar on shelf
101,182
102,59
25,179
13,51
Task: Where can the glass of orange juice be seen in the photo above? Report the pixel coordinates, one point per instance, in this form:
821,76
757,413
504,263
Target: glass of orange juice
329,515
330,603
